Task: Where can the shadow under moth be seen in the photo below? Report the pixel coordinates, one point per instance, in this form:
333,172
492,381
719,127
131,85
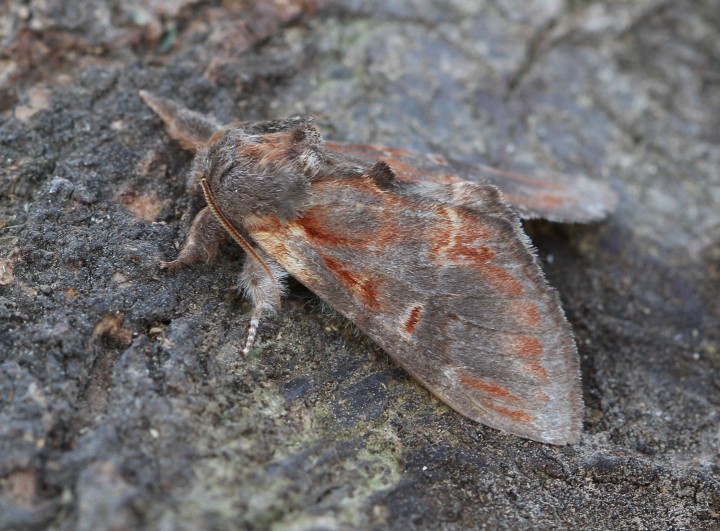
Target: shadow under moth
426,257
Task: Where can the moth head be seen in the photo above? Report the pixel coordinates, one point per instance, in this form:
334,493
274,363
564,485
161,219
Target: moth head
260,168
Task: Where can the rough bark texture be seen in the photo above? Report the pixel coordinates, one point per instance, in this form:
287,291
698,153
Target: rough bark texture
123,401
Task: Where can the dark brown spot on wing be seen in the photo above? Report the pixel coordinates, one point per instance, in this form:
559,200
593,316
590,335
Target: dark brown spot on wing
412,319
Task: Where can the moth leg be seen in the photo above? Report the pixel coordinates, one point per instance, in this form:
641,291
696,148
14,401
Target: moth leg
202,243
262,289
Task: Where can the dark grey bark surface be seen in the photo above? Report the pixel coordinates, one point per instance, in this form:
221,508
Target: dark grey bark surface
124,403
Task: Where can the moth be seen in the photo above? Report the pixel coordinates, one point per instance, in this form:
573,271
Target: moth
425,256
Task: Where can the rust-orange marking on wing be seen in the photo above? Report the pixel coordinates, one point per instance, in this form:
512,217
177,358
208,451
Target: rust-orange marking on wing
361,286
502,279
318,229
412,319
325,233
489,388
526,313
542,397
270,233
455,234
455,240
328,184
326,226
268,223
468,224
526,346
538,370
478,254
512,414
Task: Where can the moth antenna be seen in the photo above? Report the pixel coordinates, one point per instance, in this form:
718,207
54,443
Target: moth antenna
252,255
225,222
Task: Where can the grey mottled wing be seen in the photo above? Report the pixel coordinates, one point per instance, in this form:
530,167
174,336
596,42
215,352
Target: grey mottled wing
450,288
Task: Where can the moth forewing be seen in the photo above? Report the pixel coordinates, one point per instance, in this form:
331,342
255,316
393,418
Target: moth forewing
450,291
